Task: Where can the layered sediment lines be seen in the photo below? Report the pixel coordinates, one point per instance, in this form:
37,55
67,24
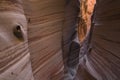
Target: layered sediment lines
103,55
14,55
45,37
48,48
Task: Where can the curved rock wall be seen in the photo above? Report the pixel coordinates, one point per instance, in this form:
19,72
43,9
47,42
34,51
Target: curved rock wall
102,57
105,41
53,44
45,37
14,55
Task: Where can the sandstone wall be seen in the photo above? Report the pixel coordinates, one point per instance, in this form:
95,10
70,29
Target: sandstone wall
45,37
102,57
48,48
15,61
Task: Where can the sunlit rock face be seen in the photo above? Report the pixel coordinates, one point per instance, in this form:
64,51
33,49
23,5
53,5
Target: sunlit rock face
86,9
14,55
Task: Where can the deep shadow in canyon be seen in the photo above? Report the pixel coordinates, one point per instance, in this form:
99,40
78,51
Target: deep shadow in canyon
59,40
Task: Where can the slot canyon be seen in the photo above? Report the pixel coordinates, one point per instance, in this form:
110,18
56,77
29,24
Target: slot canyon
59,39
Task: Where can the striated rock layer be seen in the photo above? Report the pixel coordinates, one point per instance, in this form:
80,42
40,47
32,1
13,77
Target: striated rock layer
45,37
48,47
102,58
14,55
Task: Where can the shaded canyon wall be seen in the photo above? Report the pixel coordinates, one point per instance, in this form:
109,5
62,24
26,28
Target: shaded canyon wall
38,40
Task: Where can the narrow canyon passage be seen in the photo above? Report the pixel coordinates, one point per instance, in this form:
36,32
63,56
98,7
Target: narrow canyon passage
59,40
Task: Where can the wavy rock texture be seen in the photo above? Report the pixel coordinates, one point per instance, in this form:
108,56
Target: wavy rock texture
14,55
51,49
102,57
45,37
105,54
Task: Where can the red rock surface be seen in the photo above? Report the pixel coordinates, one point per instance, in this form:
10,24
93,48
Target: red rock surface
45,35
48,47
